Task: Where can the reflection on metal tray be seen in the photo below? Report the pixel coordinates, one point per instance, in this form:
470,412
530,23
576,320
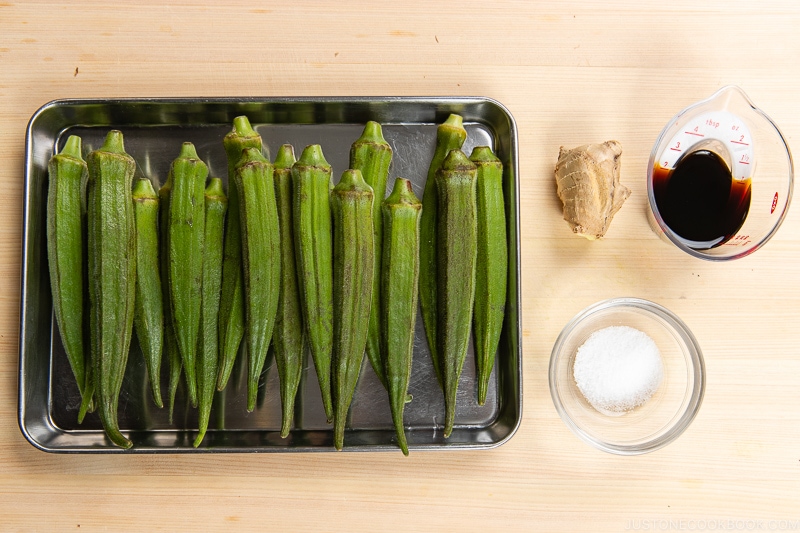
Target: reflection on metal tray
154,130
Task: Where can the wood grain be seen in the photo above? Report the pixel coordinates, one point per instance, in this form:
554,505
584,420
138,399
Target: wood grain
571,73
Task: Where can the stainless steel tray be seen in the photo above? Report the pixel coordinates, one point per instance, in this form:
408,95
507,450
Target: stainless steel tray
154,130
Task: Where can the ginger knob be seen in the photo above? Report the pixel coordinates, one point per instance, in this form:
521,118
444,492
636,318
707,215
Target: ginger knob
587,180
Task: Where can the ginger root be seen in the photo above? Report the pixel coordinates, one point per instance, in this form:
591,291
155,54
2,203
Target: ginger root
587,179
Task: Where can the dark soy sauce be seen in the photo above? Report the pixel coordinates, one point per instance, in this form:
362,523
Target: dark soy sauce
700,200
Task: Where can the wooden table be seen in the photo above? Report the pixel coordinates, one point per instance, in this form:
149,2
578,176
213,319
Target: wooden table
571,73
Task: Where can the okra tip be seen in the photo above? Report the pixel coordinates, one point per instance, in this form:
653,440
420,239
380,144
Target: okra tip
87,406
200,435
312,156
483,388
483,154
455,121
285,157
402,193
338,434
403,446
286,427
215,189
166,187
115,436
251,155
457,160
143,190
72,147
188,151
352,180
242,127
373,133
113,143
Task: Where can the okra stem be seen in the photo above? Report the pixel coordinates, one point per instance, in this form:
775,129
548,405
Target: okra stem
449,136
353,262
372,155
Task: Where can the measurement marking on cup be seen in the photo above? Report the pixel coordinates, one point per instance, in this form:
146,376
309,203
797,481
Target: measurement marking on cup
720,126
774,203
738,240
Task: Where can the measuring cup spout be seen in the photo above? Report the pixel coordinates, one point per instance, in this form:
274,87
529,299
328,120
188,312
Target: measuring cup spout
732,98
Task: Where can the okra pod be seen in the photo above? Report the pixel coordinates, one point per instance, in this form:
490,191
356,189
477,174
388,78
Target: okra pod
170,344
66,223
372,155
449,136
231,307
208,352
399,282
261,259
148,318
311,182
112,273
353,262
457,241
288,339
186,231
491,264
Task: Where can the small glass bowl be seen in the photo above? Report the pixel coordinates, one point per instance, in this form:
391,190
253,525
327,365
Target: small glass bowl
666,414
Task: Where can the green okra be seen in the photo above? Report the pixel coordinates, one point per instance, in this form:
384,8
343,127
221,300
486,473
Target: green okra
372,155
186,231
231,307
399,283
66,223
457,242
112,274
353,262
208,351
311,211
491,264
261,259
288,339
170,343
148,318
449,136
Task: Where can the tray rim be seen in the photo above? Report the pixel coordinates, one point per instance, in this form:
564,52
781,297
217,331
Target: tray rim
184,100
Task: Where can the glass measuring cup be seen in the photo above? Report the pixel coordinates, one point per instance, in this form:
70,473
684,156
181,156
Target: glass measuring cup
720,178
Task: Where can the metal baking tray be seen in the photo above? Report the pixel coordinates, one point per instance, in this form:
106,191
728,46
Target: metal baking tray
154,130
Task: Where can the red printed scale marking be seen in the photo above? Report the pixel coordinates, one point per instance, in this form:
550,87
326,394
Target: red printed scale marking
721,126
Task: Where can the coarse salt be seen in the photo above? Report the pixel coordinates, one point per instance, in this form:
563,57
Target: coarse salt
617,369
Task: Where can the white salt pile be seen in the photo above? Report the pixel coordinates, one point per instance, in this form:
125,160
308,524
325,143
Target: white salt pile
618,368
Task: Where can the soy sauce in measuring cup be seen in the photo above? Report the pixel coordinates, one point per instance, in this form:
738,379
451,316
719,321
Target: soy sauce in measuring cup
719,178
700,200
